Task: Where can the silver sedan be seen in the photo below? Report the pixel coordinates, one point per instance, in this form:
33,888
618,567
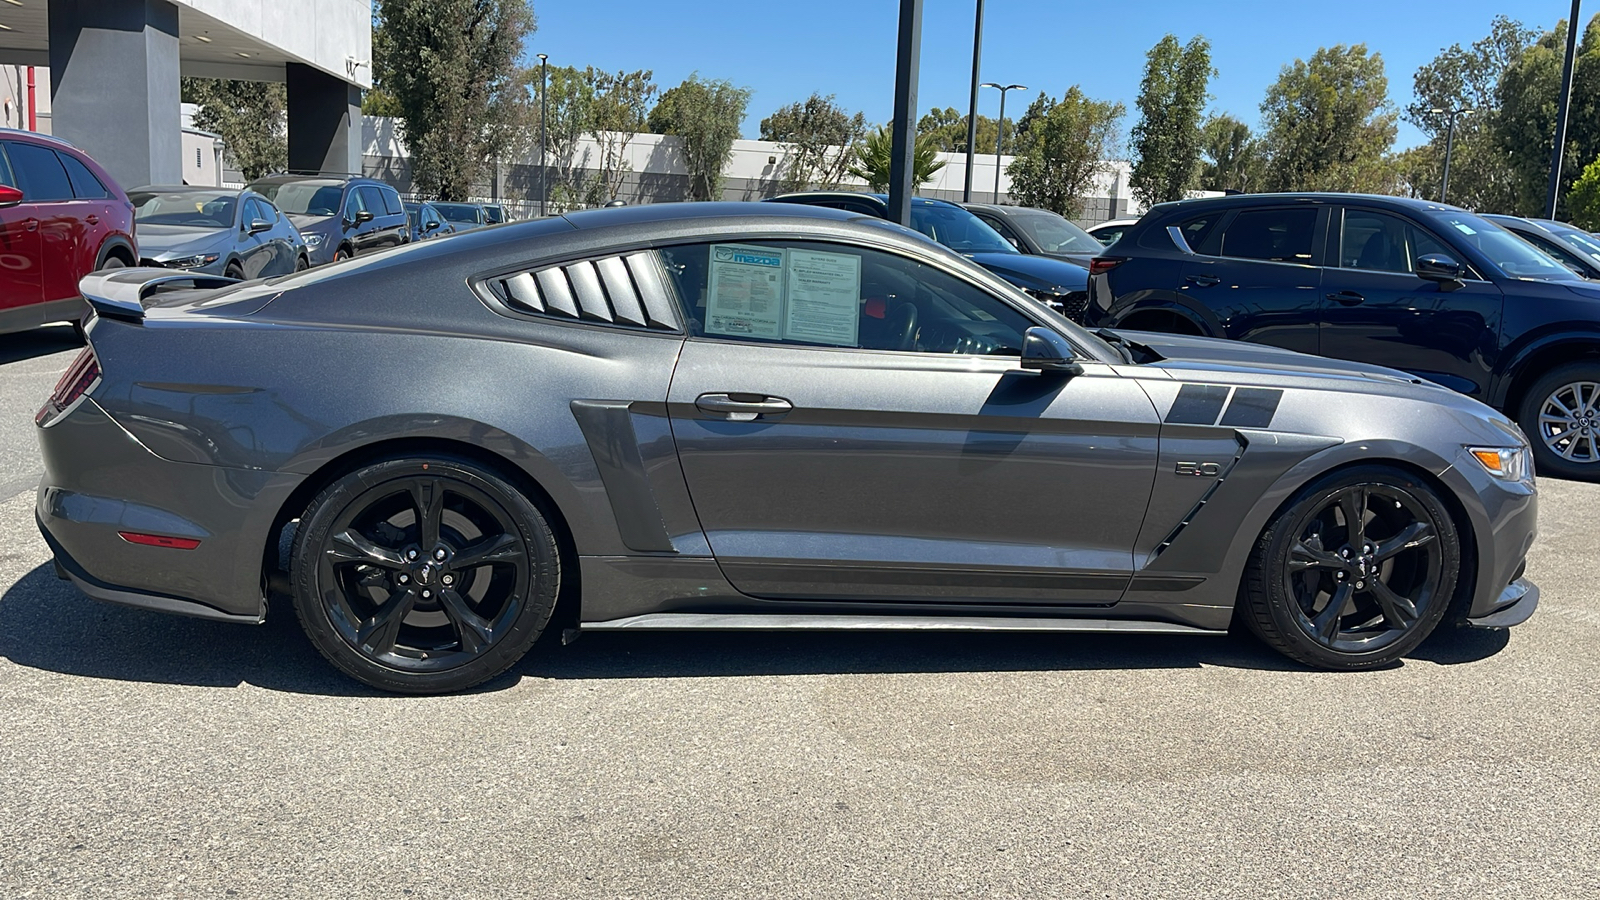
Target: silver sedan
215,231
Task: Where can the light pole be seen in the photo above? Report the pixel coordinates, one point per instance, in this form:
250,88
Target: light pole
544,110
1000,139
972,107
1449,144
1562,108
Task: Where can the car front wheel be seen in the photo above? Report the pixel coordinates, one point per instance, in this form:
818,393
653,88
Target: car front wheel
424,576
1561,417
1355,572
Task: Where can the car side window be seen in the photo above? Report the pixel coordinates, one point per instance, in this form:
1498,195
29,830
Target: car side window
1004,230
1273,235
39,173
85,186
391,201
1199,232
354,203
829,295
1381,242
371,200
255,209
6,177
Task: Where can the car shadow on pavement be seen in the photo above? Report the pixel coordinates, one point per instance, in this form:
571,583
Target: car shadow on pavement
38,342
47,624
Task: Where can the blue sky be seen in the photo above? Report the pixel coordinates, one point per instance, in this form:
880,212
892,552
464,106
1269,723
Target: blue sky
785,50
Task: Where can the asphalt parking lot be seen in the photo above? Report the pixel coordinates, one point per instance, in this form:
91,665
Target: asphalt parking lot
143,755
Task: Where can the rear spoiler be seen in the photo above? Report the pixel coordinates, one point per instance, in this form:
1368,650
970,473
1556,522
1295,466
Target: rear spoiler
120,293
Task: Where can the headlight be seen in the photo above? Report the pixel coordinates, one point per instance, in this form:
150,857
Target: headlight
313,240
190,262
1507,463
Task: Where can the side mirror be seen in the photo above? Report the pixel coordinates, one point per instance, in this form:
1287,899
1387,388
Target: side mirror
1043,350
9,196
362,218
432,226
259,225
1438,268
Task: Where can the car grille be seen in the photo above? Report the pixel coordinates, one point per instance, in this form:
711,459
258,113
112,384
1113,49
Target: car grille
1072,304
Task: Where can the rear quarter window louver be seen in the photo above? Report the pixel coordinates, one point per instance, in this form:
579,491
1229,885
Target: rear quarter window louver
622,290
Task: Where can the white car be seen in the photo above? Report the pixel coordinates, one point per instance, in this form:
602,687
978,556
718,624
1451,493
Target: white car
1107,232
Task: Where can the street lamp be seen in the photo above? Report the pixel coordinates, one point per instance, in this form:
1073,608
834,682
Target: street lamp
544,110
1449,143
1000,139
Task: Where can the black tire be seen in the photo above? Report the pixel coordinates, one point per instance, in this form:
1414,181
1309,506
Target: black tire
342,254
232,270
112,262
301,264
367,551
1566,446
1407,563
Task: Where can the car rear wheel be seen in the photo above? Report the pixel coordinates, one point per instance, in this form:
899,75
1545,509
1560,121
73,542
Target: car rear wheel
1355,572
1561,417
424,576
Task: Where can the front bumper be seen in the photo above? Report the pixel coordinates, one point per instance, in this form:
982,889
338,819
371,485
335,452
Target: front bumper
1517,603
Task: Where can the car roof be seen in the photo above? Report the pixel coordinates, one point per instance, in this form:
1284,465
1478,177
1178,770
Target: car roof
187,189
653,213
881,199
329,178
36,136
1234,201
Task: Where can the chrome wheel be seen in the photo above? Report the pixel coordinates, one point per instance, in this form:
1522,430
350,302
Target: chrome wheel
1364,568
1569,422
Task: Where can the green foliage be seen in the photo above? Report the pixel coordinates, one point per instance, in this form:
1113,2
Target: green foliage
874,156
451,68
1230,156
1481,174
1329,123
1062,145
568,96
946,130
610,108
1528,95
1167,138
1583,200
820,138
617,112
250,117
706,116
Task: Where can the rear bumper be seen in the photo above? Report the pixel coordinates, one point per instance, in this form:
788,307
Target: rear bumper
100,481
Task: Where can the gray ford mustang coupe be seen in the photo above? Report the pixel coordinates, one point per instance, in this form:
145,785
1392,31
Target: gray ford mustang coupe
748,416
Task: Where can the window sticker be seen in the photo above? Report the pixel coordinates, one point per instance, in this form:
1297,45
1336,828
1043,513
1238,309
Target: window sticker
824,297
744,291
1463,228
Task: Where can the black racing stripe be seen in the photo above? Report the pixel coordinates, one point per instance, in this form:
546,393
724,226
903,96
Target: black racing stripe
1197,404
1252,407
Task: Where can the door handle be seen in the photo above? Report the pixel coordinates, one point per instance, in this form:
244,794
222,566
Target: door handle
31,224
1347,298
742,407
92,219
1202,280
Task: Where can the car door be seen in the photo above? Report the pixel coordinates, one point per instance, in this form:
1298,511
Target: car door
375,235
1379,311
256,250
47,194
1259,275
854,425
358,233
21,290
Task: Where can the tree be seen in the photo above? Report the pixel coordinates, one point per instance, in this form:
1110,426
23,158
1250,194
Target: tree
1062,146
819,137
946,130
1167,139
1467,78
1528,94
1329,123
874,156
569,94
250,117
1230,156
617,112
705,115
450,66
1583,200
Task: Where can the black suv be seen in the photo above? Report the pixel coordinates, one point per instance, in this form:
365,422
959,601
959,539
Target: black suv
340,215
1060,284
1425,288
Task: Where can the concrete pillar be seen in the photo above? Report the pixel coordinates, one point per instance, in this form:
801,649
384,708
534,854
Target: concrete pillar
114,86
324,121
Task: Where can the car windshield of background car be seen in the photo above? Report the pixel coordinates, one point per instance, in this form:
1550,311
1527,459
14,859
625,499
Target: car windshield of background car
958,229
1055,234
198,210
1581,241
460,213
304,198
1511,254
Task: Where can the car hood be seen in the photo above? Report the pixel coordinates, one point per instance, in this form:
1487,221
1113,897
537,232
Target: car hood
1038,273
1185,356
180,240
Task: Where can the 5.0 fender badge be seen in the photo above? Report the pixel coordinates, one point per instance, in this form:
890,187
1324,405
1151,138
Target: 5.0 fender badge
1208,469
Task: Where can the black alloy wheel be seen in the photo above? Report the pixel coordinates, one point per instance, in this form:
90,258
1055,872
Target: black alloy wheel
424,575
1355,572
1561,417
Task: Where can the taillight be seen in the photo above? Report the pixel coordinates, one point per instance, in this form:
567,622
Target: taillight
1103,264
74,383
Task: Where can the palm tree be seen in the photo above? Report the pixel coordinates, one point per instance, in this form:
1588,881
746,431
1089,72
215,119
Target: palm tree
873,155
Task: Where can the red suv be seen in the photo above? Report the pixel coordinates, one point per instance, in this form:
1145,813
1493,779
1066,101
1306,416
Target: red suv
61,217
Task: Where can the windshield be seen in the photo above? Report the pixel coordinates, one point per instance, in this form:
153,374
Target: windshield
957,229
200,209
460,212
1054,234
303,198
1581,241
1511,254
